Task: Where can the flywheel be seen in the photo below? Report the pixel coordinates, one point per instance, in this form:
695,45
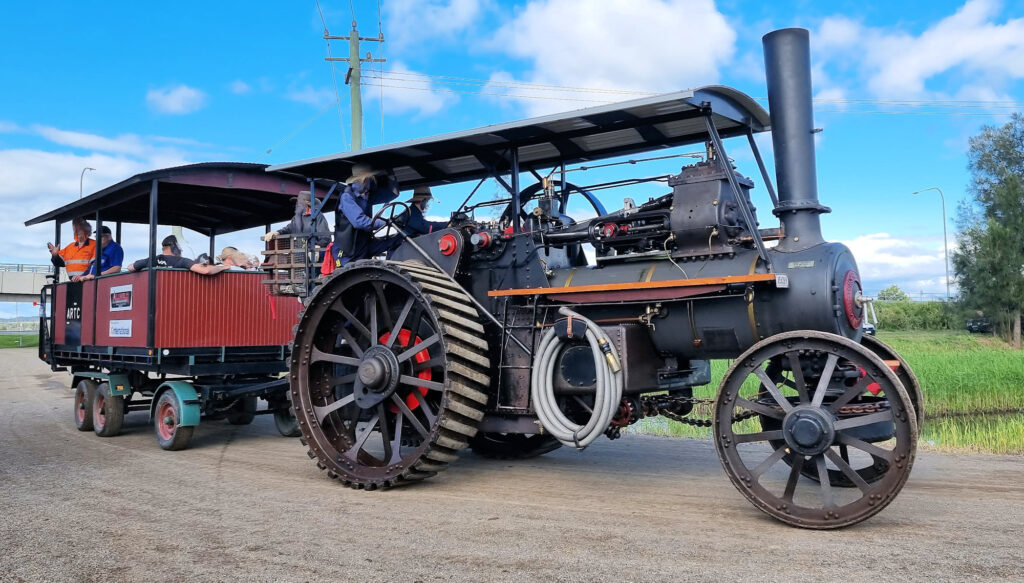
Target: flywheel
389,373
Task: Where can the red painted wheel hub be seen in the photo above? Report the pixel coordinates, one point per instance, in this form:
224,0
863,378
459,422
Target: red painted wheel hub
851,287
166,422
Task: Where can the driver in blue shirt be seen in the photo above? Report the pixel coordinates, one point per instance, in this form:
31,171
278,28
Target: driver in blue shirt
353,222
111,257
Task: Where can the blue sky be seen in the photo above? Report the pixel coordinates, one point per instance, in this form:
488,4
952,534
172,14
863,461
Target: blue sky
125,87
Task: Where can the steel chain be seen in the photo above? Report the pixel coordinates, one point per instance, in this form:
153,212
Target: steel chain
669,407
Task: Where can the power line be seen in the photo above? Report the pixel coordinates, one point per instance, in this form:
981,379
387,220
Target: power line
334,78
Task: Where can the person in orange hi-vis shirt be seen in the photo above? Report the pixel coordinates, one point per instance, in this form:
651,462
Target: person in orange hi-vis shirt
76,256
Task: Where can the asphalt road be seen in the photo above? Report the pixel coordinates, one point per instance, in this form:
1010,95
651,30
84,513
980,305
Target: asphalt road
244,504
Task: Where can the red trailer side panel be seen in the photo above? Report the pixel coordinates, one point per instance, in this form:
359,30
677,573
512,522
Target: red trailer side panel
227,309
120,309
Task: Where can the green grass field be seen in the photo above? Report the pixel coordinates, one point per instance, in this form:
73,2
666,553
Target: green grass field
973,387
19,340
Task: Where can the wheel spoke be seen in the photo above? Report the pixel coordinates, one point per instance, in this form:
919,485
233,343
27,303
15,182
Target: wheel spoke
794,476
862,420
824,482
416,349
371,307
385,432
798,376
409,415
759,436
385,309
344,313
351,342
768,462
866,447
418,382
425,407
400,322
428,364
321,356
851,473
396,441
353,452
583,404
826,377
773,390
326,410
760,408
342,379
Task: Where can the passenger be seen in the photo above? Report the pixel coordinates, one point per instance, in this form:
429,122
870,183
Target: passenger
303,225
111,257
171,257
412,221
353,223
234,259
76,256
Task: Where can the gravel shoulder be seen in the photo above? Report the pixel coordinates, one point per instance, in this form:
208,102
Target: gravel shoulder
244,504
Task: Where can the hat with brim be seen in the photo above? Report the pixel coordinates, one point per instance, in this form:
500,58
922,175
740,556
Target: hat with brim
421,193
360,172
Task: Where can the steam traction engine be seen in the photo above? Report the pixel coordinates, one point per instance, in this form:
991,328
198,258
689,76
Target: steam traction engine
504,336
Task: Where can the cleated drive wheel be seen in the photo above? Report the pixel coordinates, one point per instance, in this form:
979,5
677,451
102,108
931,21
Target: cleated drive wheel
243,411
166,423
513,446
834,407
107,412
388,373
85,391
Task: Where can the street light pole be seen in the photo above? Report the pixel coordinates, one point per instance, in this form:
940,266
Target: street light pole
945,241
80,178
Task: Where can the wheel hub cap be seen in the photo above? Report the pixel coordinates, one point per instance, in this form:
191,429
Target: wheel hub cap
378,374
809,430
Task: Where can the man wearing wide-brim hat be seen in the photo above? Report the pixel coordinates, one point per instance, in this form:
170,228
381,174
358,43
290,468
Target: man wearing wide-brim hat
412,221
353,223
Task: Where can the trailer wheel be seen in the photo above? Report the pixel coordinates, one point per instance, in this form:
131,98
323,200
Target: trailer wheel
243,412
85,391
287,424
169,434
389,370
107,412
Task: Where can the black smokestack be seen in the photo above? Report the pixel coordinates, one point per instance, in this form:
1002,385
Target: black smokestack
787,59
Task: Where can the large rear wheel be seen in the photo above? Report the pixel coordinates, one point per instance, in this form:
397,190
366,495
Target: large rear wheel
107,412
388,373
85,391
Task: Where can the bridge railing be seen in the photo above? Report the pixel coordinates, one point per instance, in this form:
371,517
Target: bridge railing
26,268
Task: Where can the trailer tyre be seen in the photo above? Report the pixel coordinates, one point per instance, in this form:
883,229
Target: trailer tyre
166,423
85,391
287,424
107,412
243,412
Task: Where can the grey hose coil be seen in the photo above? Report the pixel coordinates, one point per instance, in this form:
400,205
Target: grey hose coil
608,390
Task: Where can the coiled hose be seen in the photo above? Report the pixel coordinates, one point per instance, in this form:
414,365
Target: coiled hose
608,389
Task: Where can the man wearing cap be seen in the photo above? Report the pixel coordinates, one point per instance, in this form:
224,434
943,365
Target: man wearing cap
353,225
412,221
111,257
171,257
76,256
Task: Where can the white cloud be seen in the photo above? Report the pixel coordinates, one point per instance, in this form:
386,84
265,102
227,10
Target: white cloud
125,144
317,97
914,264
416,95
413,22
239,87
900,65
615,45
177,100
8,127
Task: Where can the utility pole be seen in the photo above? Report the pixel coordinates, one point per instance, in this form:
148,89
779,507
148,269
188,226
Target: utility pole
352,78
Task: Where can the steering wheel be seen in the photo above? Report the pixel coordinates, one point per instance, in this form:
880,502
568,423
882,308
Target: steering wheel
391,228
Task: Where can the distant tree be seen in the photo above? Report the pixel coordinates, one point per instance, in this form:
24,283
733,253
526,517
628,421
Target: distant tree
893,294
989,261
